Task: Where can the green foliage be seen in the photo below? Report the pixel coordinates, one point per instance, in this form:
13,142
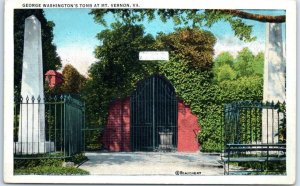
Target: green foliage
119,57
244,88
193,46
77,158
282,126
48,165
51,60
116,72
223,67
51,91
29,163
207,98
241,29
92,137
50,170
243,63
226,72
73,80
258,64
246,64
181,17
189,71
264,168
224,58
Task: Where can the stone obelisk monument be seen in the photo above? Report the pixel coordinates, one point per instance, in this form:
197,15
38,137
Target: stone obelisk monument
274,80
31,134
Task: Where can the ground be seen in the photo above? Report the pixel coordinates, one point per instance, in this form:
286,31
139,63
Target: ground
152,163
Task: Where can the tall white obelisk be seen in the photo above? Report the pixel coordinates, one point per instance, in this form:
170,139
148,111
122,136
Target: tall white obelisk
274,80
31,134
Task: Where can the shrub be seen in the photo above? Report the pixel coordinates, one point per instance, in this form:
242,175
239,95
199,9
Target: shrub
50,170
48,165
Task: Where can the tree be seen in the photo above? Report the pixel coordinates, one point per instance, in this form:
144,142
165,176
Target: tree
116,72
222,59
118,56
73,80
226,73
258,64
51,60
243,63
256,17
192,85
246,64
184,44
118,68
196,18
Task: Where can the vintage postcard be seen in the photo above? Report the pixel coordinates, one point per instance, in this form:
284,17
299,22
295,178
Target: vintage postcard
143,92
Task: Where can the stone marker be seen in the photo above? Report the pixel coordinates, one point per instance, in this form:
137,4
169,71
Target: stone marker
154,55
31,134
274,80
68,164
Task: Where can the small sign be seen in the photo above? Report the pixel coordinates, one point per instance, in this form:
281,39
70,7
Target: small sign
154,55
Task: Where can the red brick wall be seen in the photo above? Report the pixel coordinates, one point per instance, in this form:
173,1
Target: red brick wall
116,135
126,124
188,128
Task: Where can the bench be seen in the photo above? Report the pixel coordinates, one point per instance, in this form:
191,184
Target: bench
261,153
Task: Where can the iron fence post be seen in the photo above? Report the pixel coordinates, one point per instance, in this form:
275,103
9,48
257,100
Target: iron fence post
153,114
64,102
84,148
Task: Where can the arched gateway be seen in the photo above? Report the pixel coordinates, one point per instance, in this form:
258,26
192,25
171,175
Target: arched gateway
151,119
153,111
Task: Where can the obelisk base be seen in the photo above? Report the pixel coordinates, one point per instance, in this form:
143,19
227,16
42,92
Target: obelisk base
33,147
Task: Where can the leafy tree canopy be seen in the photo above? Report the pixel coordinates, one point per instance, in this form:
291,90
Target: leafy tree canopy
118,68
118,54
190,17
222,59
246,64
258,64
243,62
226,73
194,46
73,80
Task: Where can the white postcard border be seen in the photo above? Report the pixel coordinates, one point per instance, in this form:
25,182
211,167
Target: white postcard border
288,5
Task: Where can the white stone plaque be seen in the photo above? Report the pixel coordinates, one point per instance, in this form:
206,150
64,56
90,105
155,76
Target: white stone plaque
154,55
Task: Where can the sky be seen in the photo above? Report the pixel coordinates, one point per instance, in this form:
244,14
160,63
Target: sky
75,35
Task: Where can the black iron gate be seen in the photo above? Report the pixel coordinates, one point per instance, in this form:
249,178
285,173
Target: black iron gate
153,107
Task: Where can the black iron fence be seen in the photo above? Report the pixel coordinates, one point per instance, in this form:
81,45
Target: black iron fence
153,115
254,138
249,122
49,127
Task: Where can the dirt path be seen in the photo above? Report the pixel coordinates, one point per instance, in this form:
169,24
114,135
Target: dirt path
152,163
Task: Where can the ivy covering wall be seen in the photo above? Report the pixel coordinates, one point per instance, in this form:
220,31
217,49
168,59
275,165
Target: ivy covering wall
207,98
192,72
